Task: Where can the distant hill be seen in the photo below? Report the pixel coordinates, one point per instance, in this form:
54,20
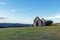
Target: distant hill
56,24
2,25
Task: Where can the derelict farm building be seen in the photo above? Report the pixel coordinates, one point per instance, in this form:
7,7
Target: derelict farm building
39,22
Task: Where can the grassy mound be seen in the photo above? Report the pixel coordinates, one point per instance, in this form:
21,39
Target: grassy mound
30,33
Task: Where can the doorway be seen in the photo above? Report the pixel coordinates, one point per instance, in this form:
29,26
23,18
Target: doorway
37,23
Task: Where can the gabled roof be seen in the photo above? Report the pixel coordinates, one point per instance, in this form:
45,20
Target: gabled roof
37,18
43,19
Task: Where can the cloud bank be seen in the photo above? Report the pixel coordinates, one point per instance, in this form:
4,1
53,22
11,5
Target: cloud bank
52,17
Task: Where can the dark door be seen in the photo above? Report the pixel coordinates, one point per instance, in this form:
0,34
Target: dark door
37,23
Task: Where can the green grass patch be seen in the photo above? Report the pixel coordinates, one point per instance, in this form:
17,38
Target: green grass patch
31,33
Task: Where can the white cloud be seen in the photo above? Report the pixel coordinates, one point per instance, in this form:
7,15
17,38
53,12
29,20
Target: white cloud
2,3
53,17
13,10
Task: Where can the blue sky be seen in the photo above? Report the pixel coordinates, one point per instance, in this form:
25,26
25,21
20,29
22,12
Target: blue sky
24,11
